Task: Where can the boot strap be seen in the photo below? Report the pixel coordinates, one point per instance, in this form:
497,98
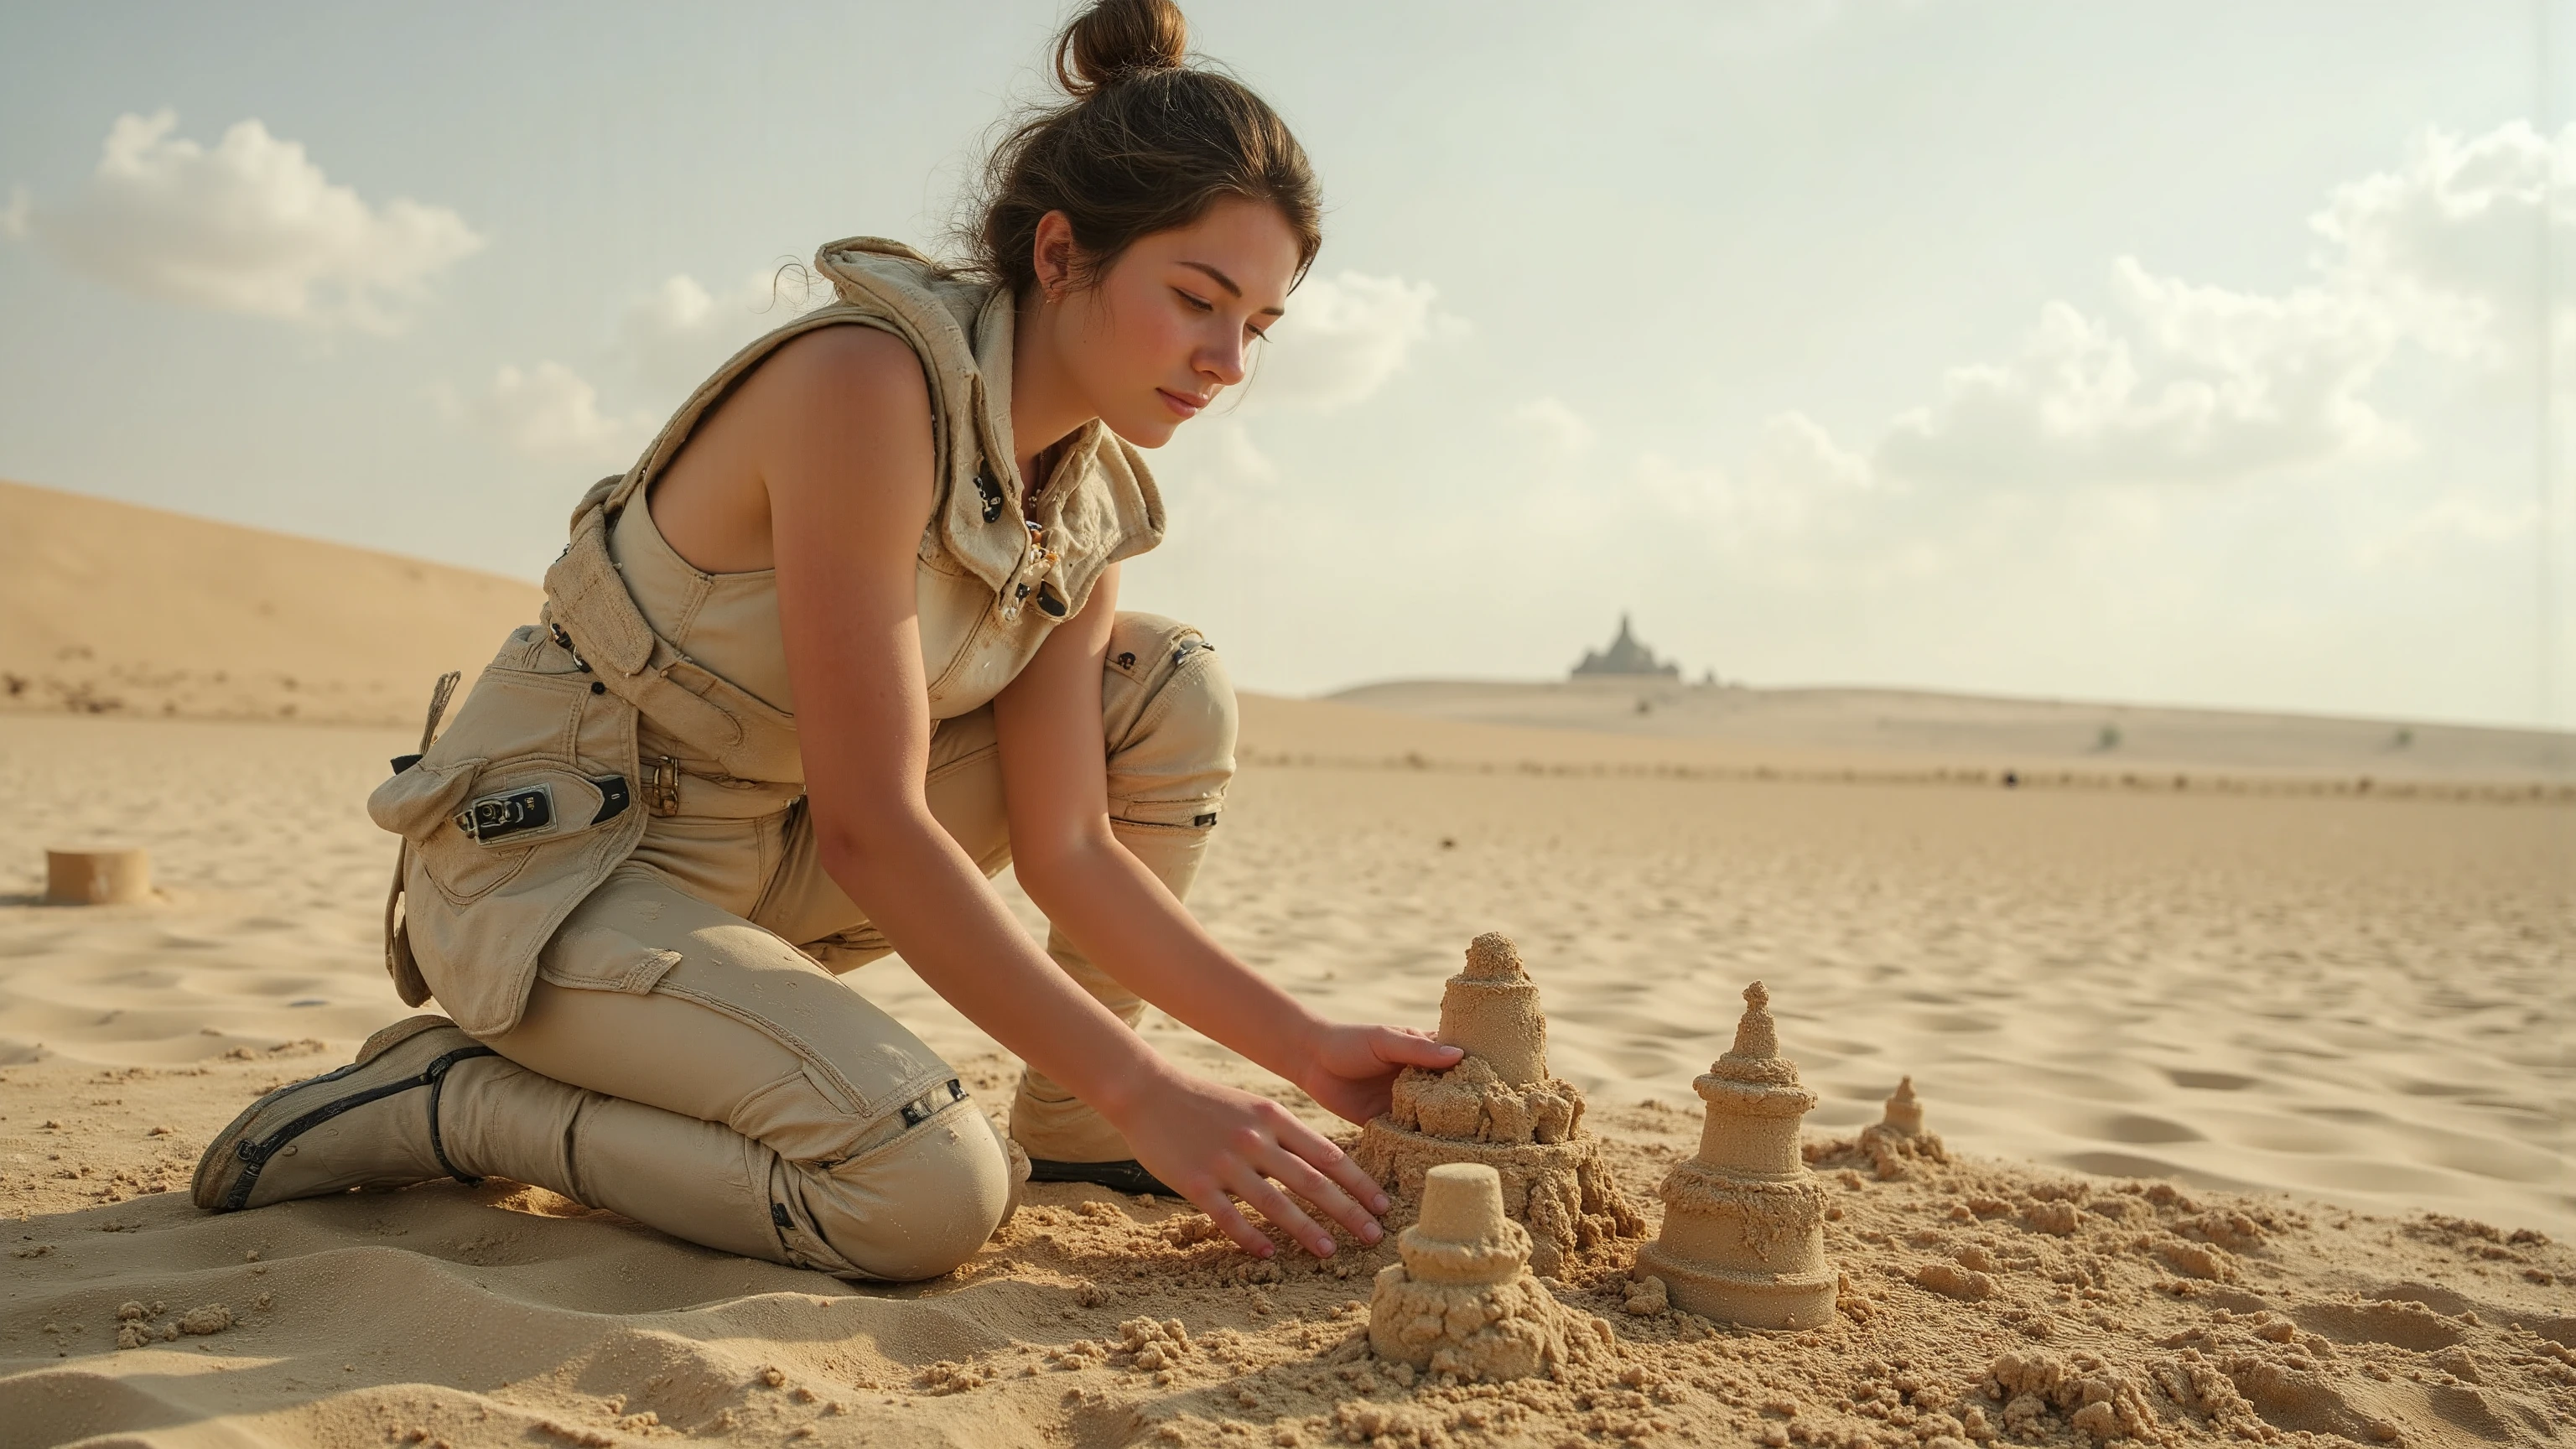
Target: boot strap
255,1154
437,1074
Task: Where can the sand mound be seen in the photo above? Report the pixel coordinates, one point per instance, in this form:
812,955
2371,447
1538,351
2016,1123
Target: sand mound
1980,1301
2037,735
1499,1108
109,608
2343,997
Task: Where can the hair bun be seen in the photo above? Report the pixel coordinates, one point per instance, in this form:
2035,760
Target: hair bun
1116,39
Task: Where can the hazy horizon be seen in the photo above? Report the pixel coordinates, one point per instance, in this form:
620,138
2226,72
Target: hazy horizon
2159,355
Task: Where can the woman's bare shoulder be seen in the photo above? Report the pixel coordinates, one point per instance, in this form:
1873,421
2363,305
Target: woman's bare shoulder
827,409
849,366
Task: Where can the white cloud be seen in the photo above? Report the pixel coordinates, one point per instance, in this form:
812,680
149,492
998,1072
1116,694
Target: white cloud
2192,383
672,337
2186,382
251,226
550,413
1564,431
1343,337
2449,238
667,341
2441,527
1796,454
16,217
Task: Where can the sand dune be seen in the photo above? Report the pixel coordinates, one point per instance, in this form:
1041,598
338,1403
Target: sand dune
2257,1097
2355,1000
109,608
2031,734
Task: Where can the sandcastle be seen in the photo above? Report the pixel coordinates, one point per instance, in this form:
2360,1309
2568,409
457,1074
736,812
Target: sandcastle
97,876
1463,1301
1898,1136
1500,1108
1743,1239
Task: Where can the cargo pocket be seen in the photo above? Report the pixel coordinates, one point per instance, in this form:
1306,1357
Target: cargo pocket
603,958
510,815
415,801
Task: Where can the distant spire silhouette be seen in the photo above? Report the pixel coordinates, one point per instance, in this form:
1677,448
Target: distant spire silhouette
1626,656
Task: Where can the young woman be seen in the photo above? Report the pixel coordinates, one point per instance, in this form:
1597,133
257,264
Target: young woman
842,644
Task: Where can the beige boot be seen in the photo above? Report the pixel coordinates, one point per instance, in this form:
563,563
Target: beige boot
372,1123
424,1100
1066,1140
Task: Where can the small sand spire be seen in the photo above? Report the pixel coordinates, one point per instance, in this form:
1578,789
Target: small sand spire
1494,957
1898,1138
1743,1238
1757,1036
1904,1114
1463,1302
1755,1057
1500,1107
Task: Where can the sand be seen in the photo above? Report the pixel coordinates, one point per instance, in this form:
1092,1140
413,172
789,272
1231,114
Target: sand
1743,1236
2106,1000
1500,1109
110,608
1463,1302
2039,736
2254,1105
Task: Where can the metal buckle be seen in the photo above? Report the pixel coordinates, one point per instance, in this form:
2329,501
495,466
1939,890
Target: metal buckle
662,787
564,642
920,1109
1034,564
510,812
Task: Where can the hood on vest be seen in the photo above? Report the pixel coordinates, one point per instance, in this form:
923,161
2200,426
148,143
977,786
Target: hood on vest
962,331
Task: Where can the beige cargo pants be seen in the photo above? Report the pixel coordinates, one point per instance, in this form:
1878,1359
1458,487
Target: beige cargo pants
734,1092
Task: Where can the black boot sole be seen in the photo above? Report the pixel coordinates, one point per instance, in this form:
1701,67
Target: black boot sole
1126,1175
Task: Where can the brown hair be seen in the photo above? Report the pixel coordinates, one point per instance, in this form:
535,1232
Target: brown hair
1146,142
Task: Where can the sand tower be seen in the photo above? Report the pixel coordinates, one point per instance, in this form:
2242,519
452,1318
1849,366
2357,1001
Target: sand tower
110,875
1463,1301
1499,1107
1898,1136
1744,1221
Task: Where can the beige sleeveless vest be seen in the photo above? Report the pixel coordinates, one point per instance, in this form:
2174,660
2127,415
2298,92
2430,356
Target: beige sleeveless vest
539,789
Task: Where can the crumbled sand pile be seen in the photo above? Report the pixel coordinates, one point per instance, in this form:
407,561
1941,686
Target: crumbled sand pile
1463,1302
1499,1107
2044,966
1981,1301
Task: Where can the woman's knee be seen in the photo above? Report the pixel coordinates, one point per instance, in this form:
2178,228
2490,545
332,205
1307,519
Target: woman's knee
1169,719
915,1207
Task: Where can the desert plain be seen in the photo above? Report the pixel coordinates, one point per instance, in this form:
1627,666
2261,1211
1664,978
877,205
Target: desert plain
2247,1036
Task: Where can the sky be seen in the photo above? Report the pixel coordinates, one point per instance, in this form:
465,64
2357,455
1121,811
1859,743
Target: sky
2175,352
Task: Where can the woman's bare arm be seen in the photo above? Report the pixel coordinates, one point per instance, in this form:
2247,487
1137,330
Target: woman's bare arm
1055,786
834,433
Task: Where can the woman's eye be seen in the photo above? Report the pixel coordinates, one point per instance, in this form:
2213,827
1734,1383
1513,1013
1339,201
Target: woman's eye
1197,304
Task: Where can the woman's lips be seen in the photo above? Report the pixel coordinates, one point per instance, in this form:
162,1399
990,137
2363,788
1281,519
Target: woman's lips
1187,407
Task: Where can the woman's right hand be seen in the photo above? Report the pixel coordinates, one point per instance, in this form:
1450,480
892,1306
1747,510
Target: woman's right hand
1214,1144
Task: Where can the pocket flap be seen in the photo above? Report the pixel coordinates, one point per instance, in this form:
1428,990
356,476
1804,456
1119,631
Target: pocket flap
603,958
412,803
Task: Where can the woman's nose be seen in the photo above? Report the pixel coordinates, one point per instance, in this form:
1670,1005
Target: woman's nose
1223,362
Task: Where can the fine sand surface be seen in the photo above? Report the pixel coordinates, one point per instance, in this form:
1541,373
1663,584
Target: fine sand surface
2035,735
2255,1079
110,608
2138,1018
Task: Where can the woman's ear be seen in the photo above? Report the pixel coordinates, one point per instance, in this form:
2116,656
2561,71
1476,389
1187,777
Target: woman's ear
1054,252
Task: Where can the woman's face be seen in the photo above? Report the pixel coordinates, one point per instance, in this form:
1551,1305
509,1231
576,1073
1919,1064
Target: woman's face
1169,325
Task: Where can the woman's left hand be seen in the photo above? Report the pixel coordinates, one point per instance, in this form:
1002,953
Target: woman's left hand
1354,1067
